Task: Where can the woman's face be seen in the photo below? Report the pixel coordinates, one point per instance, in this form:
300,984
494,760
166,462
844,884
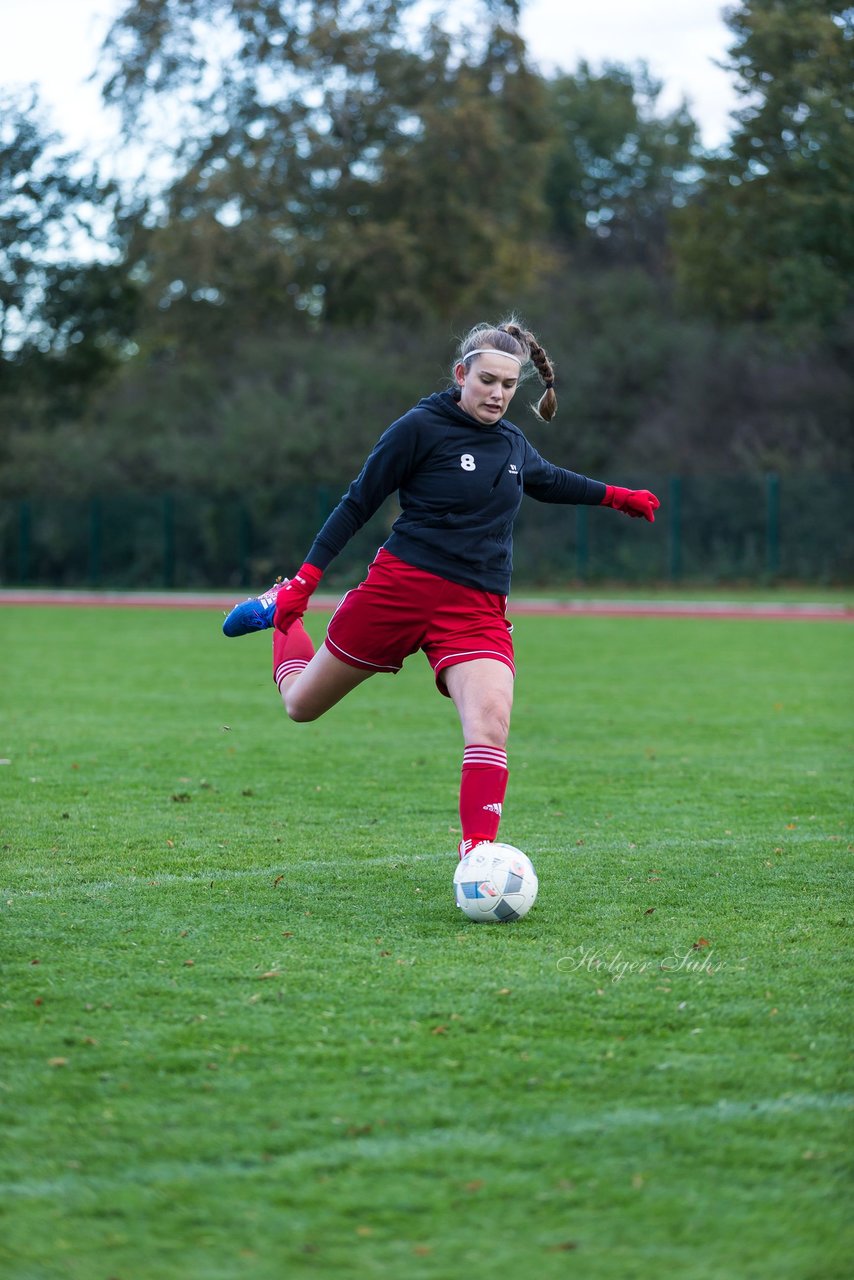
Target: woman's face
487,386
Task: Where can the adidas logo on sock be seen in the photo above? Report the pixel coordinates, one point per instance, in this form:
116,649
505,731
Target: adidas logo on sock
492,808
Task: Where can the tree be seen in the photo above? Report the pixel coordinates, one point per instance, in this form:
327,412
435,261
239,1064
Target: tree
328,167
65,319
772,236
46,206
616,168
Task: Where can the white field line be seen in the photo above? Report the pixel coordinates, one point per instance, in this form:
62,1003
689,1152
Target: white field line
213,875
297,868
370,1149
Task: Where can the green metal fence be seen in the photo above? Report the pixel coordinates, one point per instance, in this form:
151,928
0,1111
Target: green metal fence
708,529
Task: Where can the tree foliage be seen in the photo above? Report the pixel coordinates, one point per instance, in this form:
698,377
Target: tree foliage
772,236
347,190
44,201
334,170
65,319
617,166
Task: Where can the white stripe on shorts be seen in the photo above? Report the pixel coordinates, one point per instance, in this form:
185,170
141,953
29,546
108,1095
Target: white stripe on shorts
362,662
454,658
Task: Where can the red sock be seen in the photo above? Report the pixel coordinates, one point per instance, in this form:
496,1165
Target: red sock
482,787
291,652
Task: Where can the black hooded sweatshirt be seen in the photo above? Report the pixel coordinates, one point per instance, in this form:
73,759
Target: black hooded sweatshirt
460,484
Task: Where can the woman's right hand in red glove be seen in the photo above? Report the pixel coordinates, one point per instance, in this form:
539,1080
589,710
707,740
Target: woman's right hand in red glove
292,600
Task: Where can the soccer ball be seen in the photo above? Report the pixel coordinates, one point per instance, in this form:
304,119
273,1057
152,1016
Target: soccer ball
495,883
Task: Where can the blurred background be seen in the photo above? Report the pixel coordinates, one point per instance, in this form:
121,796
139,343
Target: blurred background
259,249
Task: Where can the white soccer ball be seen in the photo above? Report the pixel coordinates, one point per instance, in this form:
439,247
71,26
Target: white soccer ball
495,883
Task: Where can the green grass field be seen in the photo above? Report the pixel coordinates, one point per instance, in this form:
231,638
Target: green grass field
245,1032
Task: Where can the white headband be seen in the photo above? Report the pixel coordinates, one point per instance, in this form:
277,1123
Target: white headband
491,351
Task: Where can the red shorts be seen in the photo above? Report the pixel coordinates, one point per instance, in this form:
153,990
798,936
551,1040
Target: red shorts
399,609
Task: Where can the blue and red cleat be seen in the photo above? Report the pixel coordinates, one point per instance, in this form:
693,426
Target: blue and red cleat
254,614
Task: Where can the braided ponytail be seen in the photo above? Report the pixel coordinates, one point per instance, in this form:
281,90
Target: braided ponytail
547,406
520,343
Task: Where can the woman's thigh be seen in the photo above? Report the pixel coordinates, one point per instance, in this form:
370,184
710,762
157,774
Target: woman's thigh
482,692
325,681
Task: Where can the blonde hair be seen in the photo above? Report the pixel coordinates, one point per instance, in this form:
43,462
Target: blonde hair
512,339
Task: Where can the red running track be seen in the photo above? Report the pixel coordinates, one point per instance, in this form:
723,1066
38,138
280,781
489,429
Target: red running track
728,609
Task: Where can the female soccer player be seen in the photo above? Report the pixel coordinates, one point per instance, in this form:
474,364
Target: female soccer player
440,581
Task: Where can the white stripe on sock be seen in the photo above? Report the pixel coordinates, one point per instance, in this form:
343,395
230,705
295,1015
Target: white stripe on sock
485,755
289,668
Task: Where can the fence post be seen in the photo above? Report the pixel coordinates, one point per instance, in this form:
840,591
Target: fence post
325,504
168,540
675,527
244,542
772,524
24,525
95,538
582,544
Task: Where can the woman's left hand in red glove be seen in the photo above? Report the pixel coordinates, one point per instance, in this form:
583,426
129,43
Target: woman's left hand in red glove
634,502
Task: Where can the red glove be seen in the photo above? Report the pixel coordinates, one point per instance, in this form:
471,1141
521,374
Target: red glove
292,600
635,502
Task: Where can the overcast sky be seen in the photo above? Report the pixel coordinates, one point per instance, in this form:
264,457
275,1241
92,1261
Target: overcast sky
681,40
55,42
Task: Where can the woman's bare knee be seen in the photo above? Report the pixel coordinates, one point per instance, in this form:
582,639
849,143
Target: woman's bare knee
482,692
323,683
299,708
492,724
